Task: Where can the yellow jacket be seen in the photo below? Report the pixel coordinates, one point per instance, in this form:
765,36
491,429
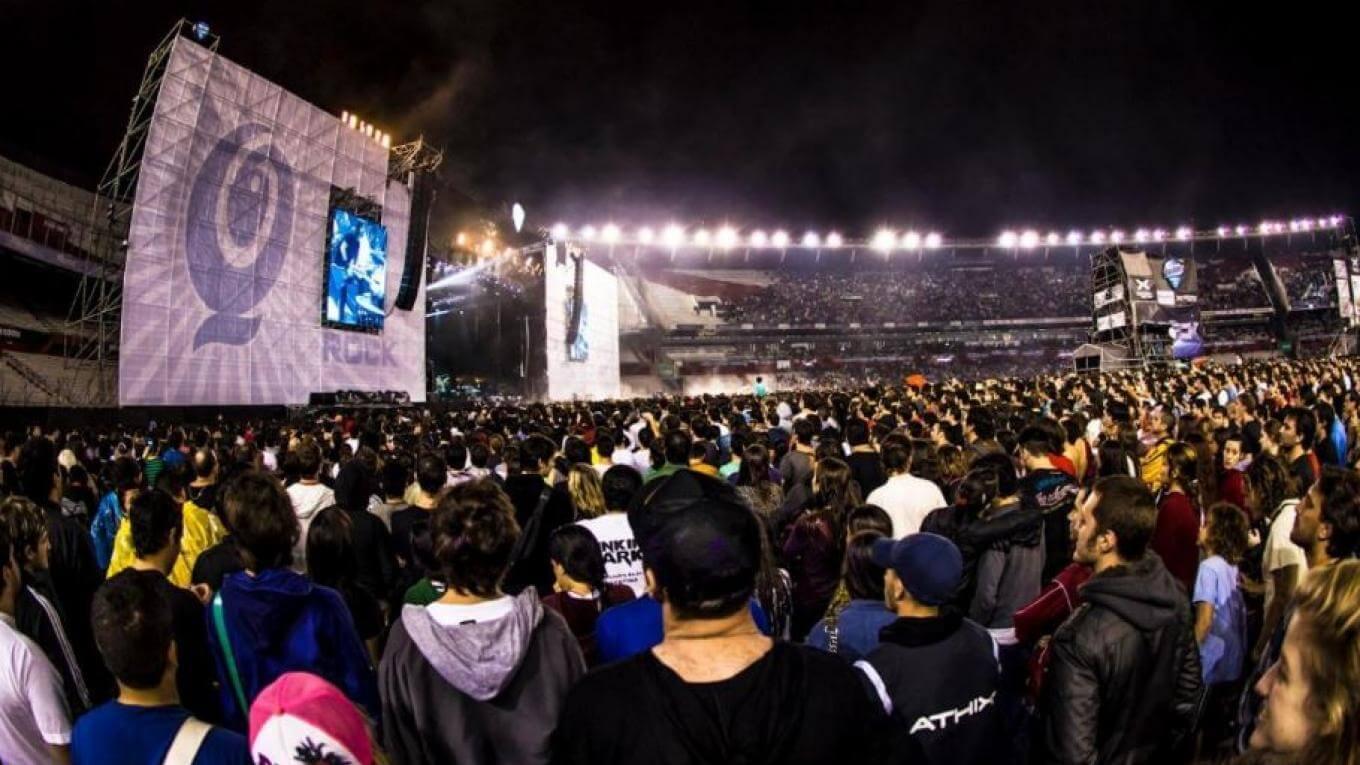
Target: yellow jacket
201,531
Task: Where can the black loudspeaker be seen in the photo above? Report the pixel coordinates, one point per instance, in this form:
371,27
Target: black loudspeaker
422,201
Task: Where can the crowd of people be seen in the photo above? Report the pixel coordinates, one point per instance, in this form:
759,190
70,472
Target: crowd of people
1135,567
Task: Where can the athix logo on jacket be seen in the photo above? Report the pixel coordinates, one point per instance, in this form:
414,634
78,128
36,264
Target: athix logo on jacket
942,720
237,228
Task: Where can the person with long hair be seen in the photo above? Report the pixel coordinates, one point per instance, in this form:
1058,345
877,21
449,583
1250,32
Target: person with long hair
587,494
814,543
1273,496
332,562
581,593
1312,693
754,485
1176,538
1220,619
851,630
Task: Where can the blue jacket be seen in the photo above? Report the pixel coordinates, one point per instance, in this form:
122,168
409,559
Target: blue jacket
631,628
1338,436
858,628
104,528
277,622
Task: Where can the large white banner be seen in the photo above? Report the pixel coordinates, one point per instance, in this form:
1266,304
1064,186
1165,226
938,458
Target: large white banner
588,368
222,299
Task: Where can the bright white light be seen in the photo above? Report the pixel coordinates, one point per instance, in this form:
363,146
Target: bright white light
1322,223
387,141
1158,235
1183,233
588,233
701,238
810,239
1052,238
1116,236
911,240
780,239
646,235
1074,237
1029,240
933,241
1337,220
833,240
675,235
610,233
1240,230
1264,228
1293,225
727,237
344,117
885,240
1097,237
488,246
1306,225
1007,239
1141,235
759,239
560,231
1223,232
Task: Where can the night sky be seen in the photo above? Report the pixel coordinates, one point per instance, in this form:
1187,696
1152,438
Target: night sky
961,116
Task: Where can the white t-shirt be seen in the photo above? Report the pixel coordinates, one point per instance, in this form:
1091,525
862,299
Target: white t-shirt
452,615
33,711
907,500
622,558
1280,552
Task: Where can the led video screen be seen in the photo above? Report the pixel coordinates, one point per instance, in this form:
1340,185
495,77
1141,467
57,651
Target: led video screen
356,272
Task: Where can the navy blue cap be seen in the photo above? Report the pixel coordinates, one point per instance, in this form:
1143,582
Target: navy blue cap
929,565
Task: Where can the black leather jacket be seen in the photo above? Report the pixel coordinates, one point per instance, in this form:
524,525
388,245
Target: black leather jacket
1124,682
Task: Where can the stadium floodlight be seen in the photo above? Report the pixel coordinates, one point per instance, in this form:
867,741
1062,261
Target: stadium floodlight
354,122
780,239
610,233
811,240
1074,237
1240,230
645,235
1305,225
1116,236
1337,220
933,241
1158,235
758,239
561,231
701,238
1264,228
675,235
1141,235
1097,237
911,240
588,233
1007,239
885,240
344,117
387,141
833,240
1223,232
1052,238
1183,233
727,237
1029,240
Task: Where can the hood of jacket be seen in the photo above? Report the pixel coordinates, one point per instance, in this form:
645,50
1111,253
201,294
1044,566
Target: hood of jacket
264,607
314,498
1142,593
481,658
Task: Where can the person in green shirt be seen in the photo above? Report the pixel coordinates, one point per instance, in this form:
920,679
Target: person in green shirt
677,448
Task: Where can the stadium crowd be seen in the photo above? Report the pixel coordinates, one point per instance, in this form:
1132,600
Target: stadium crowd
1135,567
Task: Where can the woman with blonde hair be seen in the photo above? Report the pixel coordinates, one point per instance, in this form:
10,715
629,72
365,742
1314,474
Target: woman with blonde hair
587,496
1311,710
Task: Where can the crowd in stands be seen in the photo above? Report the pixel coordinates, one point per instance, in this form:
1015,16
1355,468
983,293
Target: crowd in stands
1135,567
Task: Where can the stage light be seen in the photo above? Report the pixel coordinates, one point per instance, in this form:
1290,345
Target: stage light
560,231
833,240
885,240
461,239
488,246
517,216
811,240
588,233
780,239
354,121
387,141
1029,240
1074,237
1183,233
759,239
1052,238
701,238
675,235
645,235
727,237
344,118
1097,237
933,241
610,233
911,240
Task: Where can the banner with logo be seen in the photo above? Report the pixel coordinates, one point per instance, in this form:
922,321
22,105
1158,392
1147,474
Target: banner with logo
1162,289
222,295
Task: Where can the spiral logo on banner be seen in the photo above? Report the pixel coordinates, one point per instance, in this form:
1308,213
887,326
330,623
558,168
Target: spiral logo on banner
238,227
1173,270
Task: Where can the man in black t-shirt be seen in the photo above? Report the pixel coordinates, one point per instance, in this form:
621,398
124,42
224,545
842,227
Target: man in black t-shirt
865,463
1298,434
715,689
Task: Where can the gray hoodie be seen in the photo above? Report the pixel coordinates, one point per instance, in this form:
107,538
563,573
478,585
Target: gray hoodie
495,691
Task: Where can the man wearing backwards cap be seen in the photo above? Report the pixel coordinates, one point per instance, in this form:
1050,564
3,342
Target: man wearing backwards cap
936,672
715,689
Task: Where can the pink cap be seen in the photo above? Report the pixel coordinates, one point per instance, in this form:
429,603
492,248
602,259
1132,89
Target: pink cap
300,711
